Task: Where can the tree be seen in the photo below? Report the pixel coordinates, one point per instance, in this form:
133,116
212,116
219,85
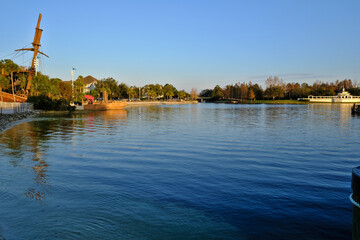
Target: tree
111,86
131,93
354,91
54,88
217,93
273,92
8,66
136,91
152,94
243,91
122,91
94,93
251,94
78,89
275,87
40,85
4,83
168,91
259,93
65,90
194,94
158,89
116,91
206,93
181,94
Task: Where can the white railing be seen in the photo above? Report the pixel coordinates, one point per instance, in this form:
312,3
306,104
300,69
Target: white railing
15,107
343,97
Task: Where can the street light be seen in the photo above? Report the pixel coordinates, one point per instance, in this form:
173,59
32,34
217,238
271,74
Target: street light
72,80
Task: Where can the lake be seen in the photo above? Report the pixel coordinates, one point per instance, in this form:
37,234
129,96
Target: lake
203,171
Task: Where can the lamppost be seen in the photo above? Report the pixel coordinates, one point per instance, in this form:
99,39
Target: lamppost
72,80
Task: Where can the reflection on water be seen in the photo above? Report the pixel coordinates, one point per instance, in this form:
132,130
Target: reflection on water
28,136
40,175
32,137
201,171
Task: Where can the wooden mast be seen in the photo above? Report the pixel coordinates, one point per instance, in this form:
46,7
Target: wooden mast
36,45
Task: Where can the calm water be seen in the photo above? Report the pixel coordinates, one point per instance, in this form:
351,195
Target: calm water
201,171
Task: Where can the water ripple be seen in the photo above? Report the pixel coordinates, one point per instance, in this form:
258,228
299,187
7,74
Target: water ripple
202,171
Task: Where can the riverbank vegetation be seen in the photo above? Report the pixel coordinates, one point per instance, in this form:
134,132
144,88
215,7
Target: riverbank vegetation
51,90
46,103
277,89
55,94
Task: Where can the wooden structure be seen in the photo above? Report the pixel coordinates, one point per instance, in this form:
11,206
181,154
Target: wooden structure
116,105
31,71
105,104
8,97
35,49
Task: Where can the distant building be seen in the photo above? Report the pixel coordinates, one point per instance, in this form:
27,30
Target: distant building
342,97
89,83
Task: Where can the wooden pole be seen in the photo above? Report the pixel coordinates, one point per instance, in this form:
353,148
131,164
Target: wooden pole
36,45
12,85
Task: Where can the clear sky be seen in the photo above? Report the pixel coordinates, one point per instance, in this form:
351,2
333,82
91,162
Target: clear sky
189,43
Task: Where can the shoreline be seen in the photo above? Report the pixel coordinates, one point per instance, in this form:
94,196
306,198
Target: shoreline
156,103
7,119
277,102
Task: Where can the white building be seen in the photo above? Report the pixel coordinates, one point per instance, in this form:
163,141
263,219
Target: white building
89,83
342,97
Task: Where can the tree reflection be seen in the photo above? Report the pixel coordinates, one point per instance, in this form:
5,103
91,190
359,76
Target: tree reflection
31,137
33,194
32,140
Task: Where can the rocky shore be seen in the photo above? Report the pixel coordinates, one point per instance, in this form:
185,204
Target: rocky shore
6,119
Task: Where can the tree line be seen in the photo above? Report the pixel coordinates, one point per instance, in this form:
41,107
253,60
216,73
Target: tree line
149,91
276,88
55,88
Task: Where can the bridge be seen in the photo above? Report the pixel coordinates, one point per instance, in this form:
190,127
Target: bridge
203,99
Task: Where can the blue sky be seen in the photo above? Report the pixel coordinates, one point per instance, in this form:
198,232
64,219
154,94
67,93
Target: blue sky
190,43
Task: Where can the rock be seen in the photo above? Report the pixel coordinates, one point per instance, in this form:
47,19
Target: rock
5,119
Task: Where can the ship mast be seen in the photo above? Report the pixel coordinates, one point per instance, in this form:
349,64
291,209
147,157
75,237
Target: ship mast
36,45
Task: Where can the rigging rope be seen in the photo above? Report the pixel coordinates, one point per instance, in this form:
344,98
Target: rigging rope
3,57
14,53
42,62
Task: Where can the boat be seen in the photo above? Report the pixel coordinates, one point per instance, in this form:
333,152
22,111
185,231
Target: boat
342,97
104,104
115,105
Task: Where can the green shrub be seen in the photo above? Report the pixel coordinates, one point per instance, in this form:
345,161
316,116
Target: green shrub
45,103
